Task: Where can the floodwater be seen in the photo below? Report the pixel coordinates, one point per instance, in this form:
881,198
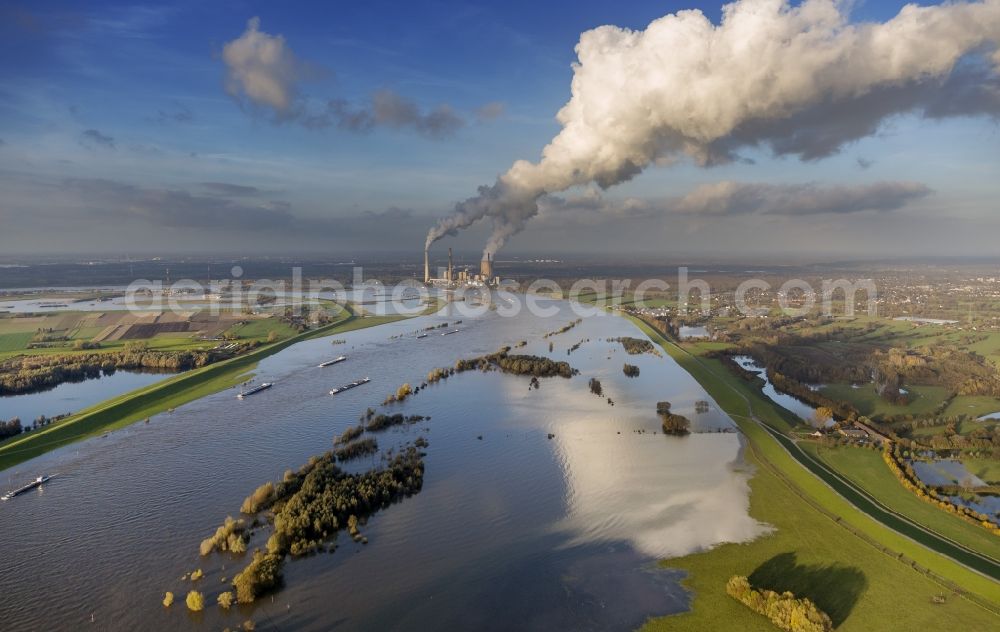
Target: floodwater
512,529
949,472
945,473
800,409
71,397
374,298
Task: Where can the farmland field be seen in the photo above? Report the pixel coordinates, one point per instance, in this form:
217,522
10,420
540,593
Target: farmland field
923,399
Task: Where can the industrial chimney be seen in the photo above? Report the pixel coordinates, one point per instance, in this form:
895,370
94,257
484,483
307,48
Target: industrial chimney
451,268
486,268
427,268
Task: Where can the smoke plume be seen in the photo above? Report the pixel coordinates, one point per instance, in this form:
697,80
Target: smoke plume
798,80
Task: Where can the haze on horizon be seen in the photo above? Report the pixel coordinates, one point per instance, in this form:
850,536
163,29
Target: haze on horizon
128,128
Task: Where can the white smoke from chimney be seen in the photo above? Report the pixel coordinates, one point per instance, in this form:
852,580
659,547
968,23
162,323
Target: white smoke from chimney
800,79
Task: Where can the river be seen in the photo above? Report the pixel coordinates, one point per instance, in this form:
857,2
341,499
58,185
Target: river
512,529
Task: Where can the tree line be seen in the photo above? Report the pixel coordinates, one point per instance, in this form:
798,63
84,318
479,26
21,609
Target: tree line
25,374
783,609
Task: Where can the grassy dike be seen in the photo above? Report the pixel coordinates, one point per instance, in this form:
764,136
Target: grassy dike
166,395
866,469
863,574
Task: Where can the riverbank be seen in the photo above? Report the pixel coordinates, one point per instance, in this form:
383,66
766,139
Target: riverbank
825,543
168,394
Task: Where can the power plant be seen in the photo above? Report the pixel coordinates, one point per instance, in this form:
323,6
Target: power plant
449,276
486,267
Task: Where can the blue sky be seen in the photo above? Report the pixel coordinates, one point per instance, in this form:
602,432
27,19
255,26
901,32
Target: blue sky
108,103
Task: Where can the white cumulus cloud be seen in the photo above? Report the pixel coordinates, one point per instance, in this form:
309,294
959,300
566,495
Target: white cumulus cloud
263,69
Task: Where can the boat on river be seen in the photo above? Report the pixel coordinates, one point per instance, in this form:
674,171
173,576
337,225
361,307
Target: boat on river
332,362
347,387
256,389
38,482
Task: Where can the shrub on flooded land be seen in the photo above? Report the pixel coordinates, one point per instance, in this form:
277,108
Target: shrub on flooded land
350,434
381,422
401,394
563,330
261,498
356,449
631,370
226,536
438,375
195,601
261,575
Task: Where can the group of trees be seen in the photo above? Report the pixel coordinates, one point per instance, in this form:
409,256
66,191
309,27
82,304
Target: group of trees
800,360
564,329
673,424
351,433
356,449
962,372
14,427
635,346
260,499
327,501
401,394
382,421
309,506
10,428
783,609
631,370
24,374
595,386
517,364
261,575
231,536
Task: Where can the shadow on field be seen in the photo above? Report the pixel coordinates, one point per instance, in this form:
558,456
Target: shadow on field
834,589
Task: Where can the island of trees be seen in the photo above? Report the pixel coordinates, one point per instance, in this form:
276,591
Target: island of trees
308,508
673,424
631,370
635,346
537,366
595,386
